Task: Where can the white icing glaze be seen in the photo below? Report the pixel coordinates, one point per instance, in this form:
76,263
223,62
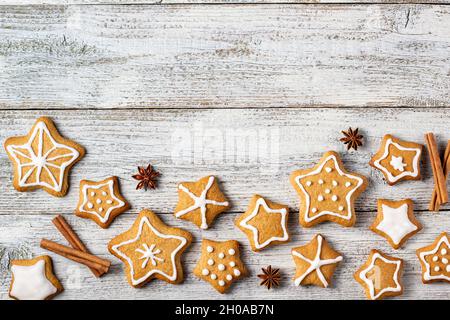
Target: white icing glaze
205,272
200,202
211,262
397,163
229,277
221,267
37,162
213,276
31,283
236,272
221,283
149,253
231,252
426,275
209,249
315,264
232,264
221,255
244,224
396,223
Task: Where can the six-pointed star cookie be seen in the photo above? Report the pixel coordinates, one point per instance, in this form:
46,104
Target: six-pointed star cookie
327,192
33,279
380,276
101,201
398,160
264,223
396,221
316,262
200,202
434,260
220,264
150,249
42,159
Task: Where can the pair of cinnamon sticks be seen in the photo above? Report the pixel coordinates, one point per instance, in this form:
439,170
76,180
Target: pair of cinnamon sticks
78,253
440,170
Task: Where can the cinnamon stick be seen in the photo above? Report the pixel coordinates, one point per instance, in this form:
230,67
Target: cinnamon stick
436,166
434,203
73,239
76,255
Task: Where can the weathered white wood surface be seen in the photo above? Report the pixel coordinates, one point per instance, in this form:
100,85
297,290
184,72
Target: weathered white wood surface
207,2
117,141
215,56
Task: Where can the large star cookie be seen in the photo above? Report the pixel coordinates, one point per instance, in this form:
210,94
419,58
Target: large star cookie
398,160
434,260
200,202
34,279
380,276
316,262
101,201
327,192
42,158
220,264
151,249
264,223
396,221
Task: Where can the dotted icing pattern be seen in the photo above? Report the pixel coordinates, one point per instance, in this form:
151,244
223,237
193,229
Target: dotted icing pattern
435,260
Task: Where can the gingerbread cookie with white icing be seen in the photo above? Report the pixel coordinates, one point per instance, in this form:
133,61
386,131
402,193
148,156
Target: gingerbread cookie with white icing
42,159
200,202
151,249
327,192
220,264
398,160
101,201
315,262
435,260
33,279
380,276
396,221
264,223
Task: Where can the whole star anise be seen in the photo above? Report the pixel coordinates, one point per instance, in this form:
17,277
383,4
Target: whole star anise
352,139
270,277
147,178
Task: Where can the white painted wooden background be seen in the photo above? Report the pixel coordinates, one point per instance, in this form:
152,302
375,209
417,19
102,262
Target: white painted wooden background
246,91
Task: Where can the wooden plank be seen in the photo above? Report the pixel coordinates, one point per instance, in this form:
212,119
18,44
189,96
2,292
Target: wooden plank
207,2
233,56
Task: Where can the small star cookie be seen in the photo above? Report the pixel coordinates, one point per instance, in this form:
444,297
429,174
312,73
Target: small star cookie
264,223
327,192
42,159
380,276
101,201
220,264
434,260
34,279
200,202
396,221
151,249
398,160
316,262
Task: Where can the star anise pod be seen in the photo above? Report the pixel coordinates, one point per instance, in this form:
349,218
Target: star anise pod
352,139
147,178
270,277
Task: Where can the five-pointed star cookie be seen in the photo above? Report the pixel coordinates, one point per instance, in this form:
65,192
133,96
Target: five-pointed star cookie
327,192
101,201
380,276
396,221
398,160
220,264
315,262
151,249
264,223
33,279
42,158
200,202
434,260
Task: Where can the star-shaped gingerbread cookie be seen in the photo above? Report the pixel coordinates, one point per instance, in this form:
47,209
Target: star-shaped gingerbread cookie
434,260
200,202
151,249
220,264
396,221
42,159
101,201
34,279
316,262
398,160
264,223
380,276
327,192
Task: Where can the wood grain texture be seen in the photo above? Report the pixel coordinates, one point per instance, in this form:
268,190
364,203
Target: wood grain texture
215,56
209,2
